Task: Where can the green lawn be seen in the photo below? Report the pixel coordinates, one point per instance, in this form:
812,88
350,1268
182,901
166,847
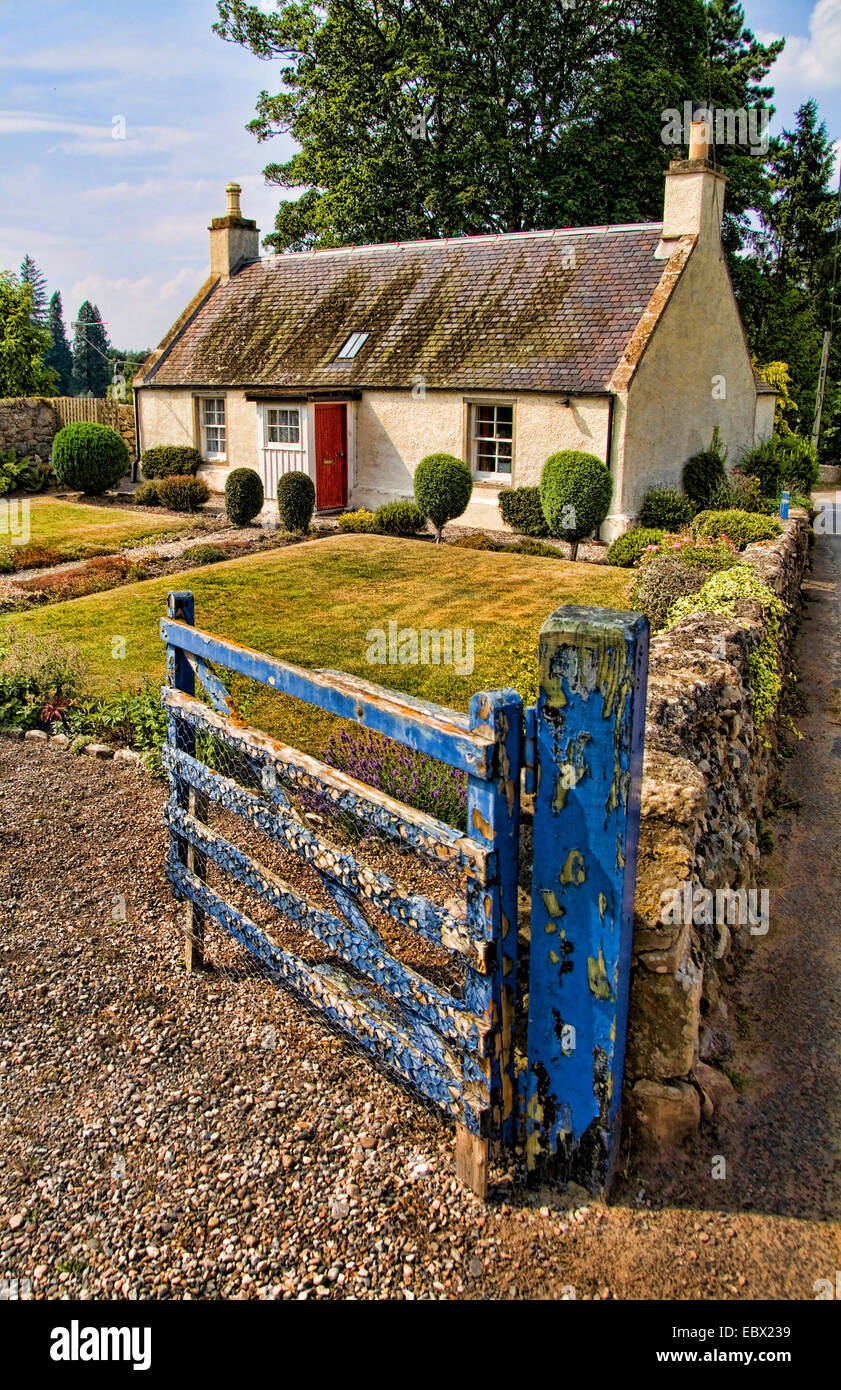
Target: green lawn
313,604
71,524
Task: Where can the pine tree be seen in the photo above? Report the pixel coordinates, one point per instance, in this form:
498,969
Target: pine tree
58,356
91,369
35,278
22,343
803,205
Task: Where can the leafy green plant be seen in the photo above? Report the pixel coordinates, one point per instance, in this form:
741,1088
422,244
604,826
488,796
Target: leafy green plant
38,676
741,492
521,510
89,458
704,473
22,474
575,493
712,553
783,461
170,460
399,519
133,717
183,494
742,528
665,508
627,550
443,488
360,522
296,502
203,554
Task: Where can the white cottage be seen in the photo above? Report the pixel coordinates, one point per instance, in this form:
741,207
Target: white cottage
352,364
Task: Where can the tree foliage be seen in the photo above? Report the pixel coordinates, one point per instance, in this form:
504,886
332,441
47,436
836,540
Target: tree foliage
58,354
91,368
22,343
37,280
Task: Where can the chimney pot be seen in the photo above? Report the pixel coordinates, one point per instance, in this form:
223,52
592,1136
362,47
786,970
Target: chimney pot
699,139
233,191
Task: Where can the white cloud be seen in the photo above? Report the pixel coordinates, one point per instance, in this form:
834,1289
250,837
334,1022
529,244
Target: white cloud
812,63
132,310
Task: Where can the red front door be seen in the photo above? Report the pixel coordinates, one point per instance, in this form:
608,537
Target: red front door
330,456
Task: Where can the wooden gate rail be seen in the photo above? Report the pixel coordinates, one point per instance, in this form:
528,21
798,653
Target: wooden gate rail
457,1052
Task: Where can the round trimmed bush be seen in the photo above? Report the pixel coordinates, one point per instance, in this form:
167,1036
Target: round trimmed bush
244,495
626,550
575,493
443,488
169,461
146,495
667,508
399,519
295,501
521,510
89,458
185,494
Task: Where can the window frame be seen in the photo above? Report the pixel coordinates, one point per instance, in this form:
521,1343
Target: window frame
268,426
216,455
355,341
495,475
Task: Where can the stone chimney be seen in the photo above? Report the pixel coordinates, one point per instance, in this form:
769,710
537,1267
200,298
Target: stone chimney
234,239
694,202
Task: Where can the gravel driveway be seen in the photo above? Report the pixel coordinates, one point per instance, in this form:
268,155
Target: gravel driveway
165,1135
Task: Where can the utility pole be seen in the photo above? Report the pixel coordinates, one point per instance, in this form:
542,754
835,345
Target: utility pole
827,337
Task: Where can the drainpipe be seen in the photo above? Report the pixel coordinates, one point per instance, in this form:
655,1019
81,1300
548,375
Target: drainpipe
137,449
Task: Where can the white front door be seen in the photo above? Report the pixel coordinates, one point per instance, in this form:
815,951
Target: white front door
282,443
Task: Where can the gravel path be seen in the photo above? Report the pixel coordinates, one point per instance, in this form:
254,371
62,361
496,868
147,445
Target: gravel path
170,1136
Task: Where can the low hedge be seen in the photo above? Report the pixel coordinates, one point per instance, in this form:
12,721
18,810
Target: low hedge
521,510
399,519
146,495
626,550
170,461
742,528
183,494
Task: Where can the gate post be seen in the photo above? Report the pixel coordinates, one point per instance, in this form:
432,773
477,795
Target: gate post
493,818
590,728
180,606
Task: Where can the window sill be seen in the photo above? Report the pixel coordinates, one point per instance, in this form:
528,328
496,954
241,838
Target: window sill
482,480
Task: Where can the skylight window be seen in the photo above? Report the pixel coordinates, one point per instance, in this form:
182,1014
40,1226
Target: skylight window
352,346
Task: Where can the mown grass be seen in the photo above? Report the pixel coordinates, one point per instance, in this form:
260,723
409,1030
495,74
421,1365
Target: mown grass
313,605
66,525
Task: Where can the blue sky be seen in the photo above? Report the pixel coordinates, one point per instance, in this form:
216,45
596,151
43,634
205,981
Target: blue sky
123,221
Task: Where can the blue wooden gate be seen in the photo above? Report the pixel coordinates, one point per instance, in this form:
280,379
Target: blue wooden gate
456,1048
576,757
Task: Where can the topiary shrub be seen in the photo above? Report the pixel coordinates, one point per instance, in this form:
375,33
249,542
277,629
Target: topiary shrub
146,495
575,493
705,472
627,550
742,528
295,501
660,582
89,458
443,488
360,522
185,494
666,508
399,519
244,495
521,510
169,461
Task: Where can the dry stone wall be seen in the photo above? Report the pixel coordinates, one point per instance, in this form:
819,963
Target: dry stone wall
706,781
28,424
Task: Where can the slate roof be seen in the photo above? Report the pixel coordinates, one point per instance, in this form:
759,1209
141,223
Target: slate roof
536,311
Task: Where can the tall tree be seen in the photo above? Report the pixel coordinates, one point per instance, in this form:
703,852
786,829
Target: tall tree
35,278
803,206
59,356
425,118
91,368
22,343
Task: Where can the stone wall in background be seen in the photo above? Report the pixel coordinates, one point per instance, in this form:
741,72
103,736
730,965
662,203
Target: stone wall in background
706,781
28,424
